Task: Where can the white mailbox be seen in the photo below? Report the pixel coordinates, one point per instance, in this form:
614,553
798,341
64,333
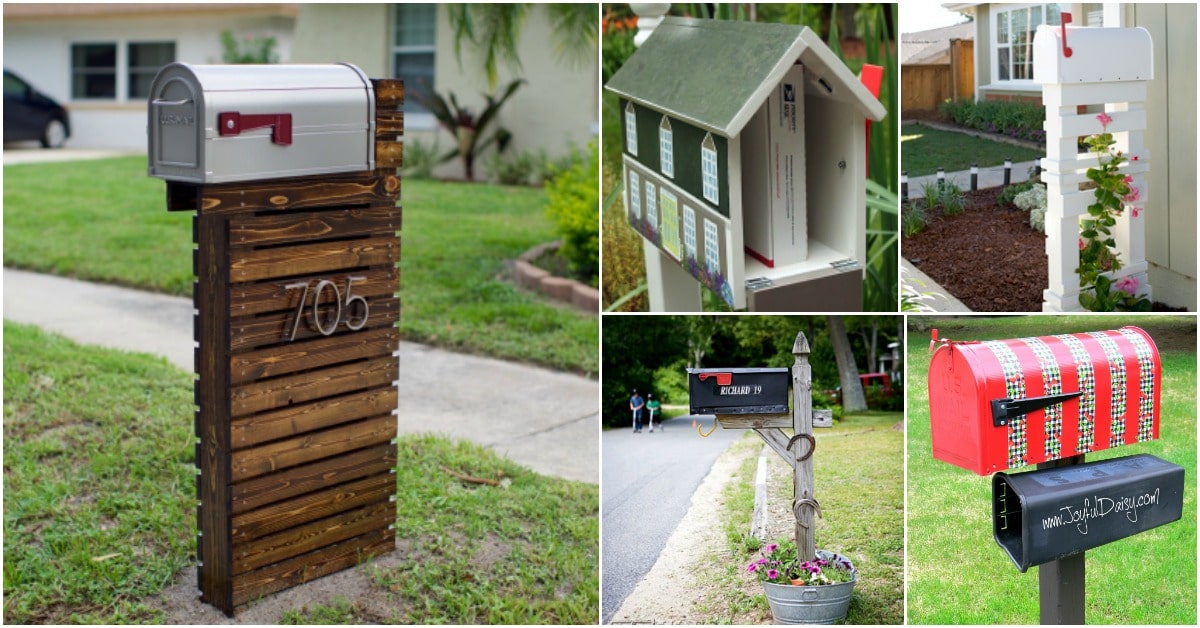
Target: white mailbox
1097,55
224,123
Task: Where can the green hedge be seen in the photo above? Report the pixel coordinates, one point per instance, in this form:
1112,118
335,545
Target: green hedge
1019,120
574,207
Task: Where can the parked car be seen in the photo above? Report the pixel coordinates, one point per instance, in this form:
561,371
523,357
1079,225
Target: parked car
32,115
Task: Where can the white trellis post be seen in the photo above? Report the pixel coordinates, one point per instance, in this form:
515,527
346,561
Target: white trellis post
1082,69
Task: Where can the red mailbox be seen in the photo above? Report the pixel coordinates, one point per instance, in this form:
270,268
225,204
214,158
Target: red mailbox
1002,404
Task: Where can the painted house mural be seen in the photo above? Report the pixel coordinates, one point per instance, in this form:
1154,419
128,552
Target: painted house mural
744,156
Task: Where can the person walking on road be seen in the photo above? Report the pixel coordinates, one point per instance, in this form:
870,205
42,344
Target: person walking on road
637,404
653,407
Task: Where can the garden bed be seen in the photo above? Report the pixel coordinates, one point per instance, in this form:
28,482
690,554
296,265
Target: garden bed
988,256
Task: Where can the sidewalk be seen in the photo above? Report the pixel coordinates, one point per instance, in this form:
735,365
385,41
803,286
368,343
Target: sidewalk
939,299
991,176
546,420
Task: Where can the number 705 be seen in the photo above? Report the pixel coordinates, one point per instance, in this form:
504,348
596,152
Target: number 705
329,324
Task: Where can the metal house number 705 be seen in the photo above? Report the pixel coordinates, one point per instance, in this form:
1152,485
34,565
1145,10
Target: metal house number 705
328,326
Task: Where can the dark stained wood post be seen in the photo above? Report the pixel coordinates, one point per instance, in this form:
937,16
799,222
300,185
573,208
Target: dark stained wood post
1061,583
803,501
296,283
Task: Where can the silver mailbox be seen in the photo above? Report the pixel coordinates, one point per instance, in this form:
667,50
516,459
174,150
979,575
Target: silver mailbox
223,123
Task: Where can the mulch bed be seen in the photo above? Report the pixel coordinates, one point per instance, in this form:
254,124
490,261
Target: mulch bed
988,256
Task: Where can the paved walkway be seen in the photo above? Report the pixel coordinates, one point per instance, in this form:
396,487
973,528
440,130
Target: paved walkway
546,420
989,177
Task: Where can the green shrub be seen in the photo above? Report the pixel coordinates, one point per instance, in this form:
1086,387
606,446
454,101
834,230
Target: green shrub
419,159
1015,119
913,219
1010,192
946,195
574,207
671,384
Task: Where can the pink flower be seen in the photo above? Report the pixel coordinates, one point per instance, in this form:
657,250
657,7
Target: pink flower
1133,195
1135,157
1135,211
1082,246
1127,284
1128,179
1104,119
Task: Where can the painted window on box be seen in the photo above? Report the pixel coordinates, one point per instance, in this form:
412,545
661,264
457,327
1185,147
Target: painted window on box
712,247
669,208
631,129
651,205
666,148
1014,30
635,195
708,170
689,231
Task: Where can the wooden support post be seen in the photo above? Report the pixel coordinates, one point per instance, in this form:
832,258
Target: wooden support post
1061,582
802,473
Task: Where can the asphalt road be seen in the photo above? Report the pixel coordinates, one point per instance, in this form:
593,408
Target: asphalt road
648,482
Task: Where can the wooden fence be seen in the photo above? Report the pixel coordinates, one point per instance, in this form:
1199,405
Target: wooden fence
923,87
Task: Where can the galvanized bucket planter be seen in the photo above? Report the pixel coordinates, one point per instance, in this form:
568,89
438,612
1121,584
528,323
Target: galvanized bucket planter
823,604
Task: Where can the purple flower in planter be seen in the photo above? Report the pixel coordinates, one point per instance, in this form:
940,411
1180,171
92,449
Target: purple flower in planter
772,547
752,567
772,573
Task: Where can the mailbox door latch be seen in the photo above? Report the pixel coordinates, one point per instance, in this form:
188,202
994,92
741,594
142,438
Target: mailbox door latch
233,123
1005,410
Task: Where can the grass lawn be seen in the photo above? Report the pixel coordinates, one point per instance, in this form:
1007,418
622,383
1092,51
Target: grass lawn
957,574
99,506
106,221
859,480
923,150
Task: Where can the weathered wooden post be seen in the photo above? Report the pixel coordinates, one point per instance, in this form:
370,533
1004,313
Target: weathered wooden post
1108,67
1049,400
291,173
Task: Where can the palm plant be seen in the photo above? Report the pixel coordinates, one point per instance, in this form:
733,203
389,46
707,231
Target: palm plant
467,128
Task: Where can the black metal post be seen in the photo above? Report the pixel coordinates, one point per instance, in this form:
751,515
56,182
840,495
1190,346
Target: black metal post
1061,582
974,177
904,186
1007,170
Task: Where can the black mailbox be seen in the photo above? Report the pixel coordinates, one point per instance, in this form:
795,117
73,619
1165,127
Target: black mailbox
739,391
1045,515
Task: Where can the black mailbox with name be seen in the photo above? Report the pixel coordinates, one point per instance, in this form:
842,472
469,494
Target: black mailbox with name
739,391
1048,514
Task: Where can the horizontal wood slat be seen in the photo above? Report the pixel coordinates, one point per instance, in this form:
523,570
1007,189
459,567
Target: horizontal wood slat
277,327
307,478
389,124
369,187
258,298
256,461
311,536
389,155
246,230
297,419
389,93
293,512
305,568
312,258
311,354
265,394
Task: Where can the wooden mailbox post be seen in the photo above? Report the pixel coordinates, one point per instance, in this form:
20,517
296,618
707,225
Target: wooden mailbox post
761,405
296,313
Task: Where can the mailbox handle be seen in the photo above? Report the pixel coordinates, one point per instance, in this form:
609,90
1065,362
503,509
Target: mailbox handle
723,379
1004,410
233,123
171,103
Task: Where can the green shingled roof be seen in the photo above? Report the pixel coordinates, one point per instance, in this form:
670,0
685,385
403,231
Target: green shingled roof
716,73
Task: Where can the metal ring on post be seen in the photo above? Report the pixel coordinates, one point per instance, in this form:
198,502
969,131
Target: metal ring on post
811,503
812,445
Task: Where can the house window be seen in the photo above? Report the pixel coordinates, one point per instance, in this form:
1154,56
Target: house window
1014,30
94,71
631,129
415,26
635,195
689,231
651,206
670,223
708,169
666,149
712,247
145,60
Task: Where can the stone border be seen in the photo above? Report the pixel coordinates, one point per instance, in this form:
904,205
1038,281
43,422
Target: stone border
581,296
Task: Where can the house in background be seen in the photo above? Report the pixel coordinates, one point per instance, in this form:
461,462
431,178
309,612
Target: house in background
748,169
99,59
1004,71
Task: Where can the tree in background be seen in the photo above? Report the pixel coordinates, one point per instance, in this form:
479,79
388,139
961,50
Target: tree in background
853,399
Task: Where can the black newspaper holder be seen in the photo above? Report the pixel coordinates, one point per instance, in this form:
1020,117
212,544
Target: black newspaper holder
739,391
1049,514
